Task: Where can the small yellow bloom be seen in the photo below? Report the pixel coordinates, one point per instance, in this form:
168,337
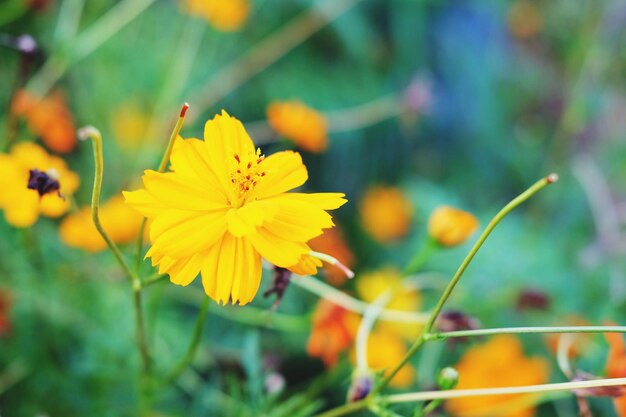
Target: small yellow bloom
500,362
129,125
224,206
384,351
120,221
21,205
450,226
386,213
371,285
299,123
525,19
224,15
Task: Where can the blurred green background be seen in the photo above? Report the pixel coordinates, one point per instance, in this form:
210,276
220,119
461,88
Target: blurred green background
458,102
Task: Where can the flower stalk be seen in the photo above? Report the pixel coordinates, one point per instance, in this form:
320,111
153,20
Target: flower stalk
457,276
90,132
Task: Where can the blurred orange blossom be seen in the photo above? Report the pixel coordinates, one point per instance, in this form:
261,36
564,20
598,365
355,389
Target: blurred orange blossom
386,213
499,362
306,127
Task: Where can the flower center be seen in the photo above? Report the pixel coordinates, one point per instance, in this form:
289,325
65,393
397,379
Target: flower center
247,174
43,182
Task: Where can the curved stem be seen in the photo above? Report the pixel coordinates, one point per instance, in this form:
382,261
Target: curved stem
457,276
525,330
195,342
92,133
367,324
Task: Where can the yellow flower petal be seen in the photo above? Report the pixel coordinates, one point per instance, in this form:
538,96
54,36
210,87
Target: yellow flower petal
173,191
184,271
231,269
244,220
181,233
296,219
280,252
190,161
285,172
144,202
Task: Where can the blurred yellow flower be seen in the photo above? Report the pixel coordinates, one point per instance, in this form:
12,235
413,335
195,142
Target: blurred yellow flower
332,242
500,362
386,213
450,226
120,221
371,285
129,125
48,118
224,15
225,206
23,205
384,351
525,19
332,332
306,127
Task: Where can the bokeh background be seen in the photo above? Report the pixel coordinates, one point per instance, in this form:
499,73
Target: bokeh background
461,103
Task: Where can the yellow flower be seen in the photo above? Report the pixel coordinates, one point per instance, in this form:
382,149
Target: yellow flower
225,206
371,285
386,213
120,221
384,351
22,205
450,226
129,125
224,15
500,362
299,123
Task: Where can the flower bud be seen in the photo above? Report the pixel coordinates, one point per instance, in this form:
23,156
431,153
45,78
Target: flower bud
450,226
448,378
362,383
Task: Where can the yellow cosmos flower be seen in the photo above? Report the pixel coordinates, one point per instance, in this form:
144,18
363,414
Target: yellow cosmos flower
386,213
224,206
500,362
21,205
121,222
385,350
450,226
371,285
305,126
224,15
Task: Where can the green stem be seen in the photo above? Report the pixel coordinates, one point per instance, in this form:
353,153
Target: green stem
92,133
193,346
525,330
162,166
418,260
457,276
153,279
346,409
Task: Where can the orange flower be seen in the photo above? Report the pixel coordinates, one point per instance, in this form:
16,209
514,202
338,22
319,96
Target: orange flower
450,226
386,213
385,350
333,331
500,362
299,123
119,220
224,15
616,366
525,19
580,340
333,243
48,118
